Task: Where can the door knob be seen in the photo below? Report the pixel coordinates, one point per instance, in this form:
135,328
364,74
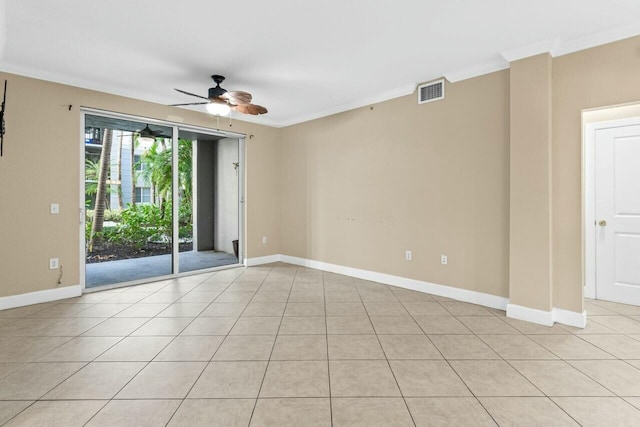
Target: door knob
602,223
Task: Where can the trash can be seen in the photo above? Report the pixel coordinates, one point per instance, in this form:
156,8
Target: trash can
235,247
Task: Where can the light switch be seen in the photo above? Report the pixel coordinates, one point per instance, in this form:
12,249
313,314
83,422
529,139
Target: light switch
55,208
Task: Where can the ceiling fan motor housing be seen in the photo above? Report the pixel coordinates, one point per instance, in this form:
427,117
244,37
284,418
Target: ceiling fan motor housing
215,92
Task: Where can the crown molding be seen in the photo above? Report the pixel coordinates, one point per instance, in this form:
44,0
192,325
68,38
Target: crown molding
545,46
385,96
597,39
497,64
3,28
555,47
57,78
558,47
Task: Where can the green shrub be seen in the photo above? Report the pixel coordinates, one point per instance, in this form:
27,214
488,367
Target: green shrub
87,230
114,215
140,223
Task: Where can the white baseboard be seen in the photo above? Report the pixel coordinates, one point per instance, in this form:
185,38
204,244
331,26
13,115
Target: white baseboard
465,295
515,311
269,259
570,318
533,315
547,318
38,297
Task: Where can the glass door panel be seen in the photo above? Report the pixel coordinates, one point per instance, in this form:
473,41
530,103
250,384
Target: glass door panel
128,201
208,182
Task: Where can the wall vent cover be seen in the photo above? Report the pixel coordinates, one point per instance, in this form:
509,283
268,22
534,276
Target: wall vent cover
433,91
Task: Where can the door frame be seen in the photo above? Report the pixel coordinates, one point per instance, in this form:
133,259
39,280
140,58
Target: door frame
589,199
241,183
176,127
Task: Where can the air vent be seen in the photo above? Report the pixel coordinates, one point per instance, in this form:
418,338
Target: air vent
431,91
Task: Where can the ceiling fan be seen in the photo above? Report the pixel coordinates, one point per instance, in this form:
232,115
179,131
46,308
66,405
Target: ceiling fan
148,132
149,135
220,101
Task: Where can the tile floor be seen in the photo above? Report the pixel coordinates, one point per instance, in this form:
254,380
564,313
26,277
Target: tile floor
280,346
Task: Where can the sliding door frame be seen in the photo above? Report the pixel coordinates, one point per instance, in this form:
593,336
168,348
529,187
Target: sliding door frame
176,128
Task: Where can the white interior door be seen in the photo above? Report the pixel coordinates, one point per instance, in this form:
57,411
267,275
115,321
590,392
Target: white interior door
617,213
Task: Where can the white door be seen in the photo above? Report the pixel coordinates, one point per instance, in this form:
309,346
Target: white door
617,213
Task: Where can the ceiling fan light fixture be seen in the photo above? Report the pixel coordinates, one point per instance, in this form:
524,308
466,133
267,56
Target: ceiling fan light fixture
218,108
146,140
146,136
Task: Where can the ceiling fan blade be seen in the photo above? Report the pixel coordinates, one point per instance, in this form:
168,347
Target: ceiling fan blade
237,97
147,132
190,103
252,109
191,94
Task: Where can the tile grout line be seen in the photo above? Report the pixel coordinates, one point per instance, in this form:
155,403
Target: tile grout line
517,371
508,361
615,358
473,333
272,347
151,360
326,330
404,400
449,363
561,359
207,364
74,373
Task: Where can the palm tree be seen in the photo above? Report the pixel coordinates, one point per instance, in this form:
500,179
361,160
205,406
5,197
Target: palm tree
101,191
157,171
185,169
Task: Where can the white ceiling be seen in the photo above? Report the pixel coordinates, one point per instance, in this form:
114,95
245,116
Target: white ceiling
300,59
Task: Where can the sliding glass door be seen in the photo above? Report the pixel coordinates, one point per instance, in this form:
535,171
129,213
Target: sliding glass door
149,212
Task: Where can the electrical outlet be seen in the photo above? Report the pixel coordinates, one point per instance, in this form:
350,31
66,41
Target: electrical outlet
408,256
54,263
264,240
443,259
54,208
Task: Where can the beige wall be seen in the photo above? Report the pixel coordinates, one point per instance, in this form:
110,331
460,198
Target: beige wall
530,182
361,187
41,165
598,77
355,189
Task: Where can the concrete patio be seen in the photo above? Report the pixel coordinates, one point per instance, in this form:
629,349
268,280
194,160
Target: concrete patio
127,270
